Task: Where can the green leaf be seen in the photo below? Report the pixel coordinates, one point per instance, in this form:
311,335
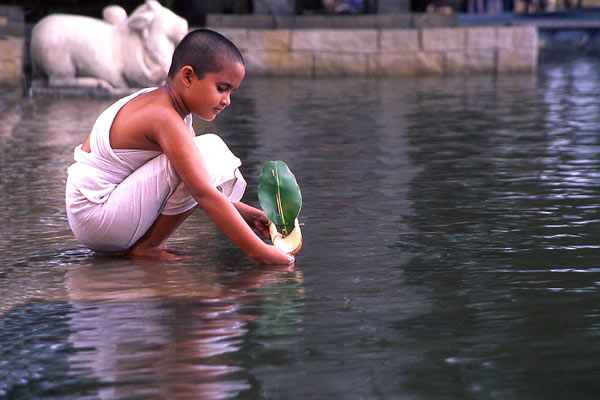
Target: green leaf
279,195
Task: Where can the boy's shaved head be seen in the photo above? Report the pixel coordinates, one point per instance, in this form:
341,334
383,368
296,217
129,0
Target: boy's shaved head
206,51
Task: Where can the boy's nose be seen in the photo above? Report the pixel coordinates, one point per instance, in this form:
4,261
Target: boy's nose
225,101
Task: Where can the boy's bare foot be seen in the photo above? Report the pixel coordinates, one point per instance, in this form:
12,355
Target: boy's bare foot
165,247
157,253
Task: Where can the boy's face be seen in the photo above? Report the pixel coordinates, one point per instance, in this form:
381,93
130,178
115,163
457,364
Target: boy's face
211,94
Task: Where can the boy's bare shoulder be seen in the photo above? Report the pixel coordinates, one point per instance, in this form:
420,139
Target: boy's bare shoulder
142,120
154,106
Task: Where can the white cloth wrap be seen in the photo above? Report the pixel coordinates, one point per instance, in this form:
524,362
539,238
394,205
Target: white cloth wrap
114,196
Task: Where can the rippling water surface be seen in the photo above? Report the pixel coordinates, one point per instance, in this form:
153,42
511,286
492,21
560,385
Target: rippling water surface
452,250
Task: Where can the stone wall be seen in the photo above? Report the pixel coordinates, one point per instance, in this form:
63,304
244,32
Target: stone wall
387,52
384,45
12,45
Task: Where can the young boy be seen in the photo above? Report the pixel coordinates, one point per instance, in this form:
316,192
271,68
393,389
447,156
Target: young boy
141,172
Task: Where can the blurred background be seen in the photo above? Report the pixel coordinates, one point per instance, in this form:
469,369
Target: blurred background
196,10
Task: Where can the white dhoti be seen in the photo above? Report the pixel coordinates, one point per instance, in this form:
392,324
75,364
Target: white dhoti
114,196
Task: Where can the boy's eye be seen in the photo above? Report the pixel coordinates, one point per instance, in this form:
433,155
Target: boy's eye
221,89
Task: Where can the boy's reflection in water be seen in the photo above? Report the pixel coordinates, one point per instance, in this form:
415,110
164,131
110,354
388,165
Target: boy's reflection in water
152,329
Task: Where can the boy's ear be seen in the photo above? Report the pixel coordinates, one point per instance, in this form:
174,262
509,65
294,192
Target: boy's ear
187,74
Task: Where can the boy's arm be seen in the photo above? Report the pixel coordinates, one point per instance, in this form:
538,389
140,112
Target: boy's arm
177,144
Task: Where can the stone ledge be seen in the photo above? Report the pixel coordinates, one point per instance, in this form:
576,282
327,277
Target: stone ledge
343,40
406,64
288,64
443,38
387,52
470,62
516,60
265,39
239,36
398,52
482,37
393,40
517,37
12,28
387,21
340,64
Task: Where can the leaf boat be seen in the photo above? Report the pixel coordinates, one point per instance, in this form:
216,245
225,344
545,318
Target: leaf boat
281,200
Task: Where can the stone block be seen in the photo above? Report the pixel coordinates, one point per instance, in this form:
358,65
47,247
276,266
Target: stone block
517,36
525,36
366,21
266,39
10,74
471,62
343,40
516,60
284,21
350,22
394,40
239,36
12,28
240,21
341,64
274,7
17,45
406,64
433,20
443,38
393,21
311,21
6,51
482,37
279,63
213,21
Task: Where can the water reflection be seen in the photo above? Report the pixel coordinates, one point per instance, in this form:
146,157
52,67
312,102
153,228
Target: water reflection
153,330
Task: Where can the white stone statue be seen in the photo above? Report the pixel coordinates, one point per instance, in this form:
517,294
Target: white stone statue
117,52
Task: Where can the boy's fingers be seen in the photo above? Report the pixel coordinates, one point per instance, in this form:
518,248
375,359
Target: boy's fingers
262,229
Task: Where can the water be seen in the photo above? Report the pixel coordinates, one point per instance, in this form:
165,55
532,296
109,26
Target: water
451,251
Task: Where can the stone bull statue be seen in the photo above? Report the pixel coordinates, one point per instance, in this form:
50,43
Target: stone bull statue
116,52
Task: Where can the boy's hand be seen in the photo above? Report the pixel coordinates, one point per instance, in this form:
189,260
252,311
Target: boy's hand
260,223
257,219
273,255
254,217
